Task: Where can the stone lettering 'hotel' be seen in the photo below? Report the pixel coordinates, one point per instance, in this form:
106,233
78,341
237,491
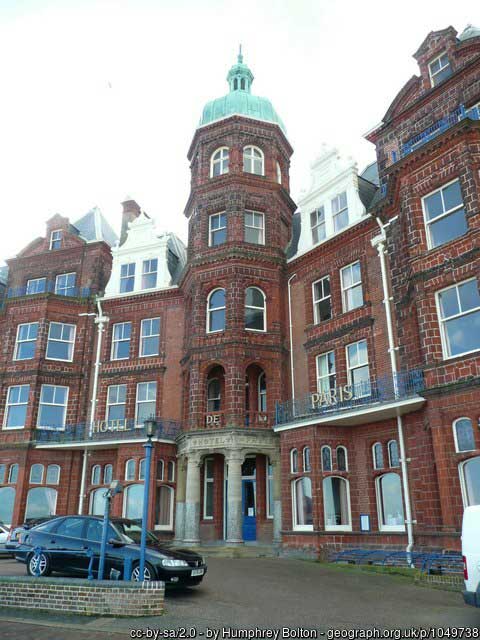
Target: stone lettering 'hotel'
314,371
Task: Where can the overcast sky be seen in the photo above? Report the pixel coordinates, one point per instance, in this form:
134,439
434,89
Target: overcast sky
100,99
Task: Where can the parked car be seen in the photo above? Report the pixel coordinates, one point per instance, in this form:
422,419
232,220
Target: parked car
14,534
471,555
73,535
4,531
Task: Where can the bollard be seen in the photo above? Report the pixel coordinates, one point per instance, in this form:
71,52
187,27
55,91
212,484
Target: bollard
127,568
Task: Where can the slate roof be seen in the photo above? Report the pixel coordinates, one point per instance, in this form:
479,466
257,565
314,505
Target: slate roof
296,230
370,173
3,275
177,257
93,227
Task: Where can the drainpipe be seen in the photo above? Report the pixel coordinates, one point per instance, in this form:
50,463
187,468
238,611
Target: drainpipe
100,320
292,368
380,244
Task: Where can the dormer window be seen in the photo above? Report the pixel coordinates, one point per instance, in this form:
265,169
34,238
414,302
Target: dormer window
340,211
317,223
219,162
439,69
149,275
127,277
56,239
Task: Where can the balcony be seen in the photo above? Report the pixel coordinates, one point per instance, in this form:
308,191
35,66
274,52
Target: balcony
370,401
71,292
103,434
437,129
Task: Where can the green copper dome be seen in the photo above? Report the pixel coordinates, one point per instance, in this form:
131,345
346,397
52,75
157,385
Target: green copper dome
239,101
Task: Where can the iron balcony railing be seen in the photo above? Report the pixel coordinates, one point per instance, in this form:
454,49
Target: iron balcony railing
102,431
439,127
382,390
70,292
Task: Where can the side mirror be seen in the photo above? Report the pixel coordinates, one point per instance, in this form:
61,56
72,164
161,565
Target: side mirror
116,543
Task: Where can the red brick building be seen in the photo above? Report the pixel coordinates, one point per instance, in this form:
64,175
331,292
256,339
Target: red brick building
314,374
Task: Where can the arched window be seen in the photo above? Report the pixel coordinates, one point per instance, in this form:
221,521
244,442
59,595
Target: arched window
133,502
53,474
97,502
41,502
302,507
214,395
219,162
7,501
255,309
242,84
294,461
470,478
96,474
390,503
463,435
160,469
393,455
235,84
253,161
336,503
342,459
36,473
377,452
262,392
13,474
108,474
326,458
216,311
141,469
164,507
306,459
279,173
171,471
130,470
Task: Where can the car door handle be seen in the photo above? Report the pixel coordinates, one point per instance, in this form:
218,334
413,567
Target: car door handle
53,541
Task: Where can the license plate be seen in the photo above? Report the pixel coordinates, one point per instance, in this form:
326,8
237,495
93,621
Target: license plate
197,572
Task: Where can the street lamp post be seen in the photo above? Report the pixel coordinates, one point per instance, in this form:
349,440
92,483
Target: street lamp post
150,426
114,488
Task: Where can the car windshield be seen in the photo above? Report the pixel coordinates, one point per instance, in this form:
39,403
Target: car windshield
132,531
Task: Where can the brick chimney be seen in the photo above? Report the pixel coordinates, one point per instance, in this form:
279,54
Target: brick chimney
131,210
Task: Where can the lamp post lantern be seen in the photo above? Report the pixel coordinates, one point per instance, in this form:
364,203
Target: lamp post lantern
150,426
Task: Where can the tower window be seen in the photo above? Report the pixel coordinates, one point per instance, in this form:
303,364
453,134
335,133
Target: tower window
253,161
255,309
217,233
219,162
216,311
254,227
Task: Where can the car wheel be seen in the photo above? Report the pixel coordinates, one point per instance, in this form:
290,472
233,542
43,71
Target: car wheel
38,565
148,573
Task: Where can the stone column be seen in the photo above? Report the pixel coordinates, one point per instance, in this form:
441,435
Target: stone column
234,499
277,501
192,501
180,500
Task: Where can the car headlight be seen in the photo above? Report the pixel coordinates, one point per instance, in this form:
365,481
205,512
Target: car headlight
170,562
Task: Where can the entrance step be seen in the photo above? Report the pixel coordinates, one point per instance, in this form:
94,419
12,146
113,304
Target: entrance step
238,551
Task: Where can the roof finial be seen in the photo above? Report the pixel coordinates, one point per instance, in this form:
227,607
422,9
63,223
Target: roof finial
240,56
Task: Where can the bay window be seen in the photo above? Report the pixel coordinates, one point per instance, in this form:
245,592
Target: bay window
26,341
146,403
150,337
322,300
53,407
116,401
336,504
444,215
16,406
61,341
358,369
459,315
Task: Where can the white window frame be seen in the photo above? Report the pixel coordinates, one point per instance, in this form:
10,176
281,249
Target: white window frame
121,339
261,228
127,462
304,458
58,468
149,273
463,487
345,289
55,239
138,402
142,465
338,213
92,476
110,469
316,301
432,76
315,227
37,464
442,321
128,276
381,525
390,465
67,288
251,158
169,526
152,335
9,404
34,293
455,437
374,458
337,527
350,368
293,489
443,215
264,309
115,404
341,446
223,157
328,375
293,452
206,481
70,342
18,341
326,446
224,308
211,231
53,404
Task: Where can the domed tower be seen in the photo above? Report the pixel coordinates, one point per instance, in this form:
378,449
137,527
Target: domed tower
235,362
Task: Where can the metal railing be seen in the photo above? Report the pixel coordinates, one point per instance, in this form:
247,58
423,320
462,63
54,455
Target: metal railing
71,292
106,432
426,562
403,385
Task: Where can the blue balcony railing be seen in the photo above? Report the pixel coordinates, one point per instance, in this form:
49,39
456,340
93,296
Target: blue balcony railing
101,431
438,128
382,390
71,292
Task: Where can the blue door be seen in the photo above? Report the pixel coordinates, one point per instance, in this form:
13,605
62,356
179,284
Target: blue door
249,510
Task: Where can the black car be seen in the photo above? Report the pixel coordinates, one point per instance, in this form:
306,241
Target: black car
74,535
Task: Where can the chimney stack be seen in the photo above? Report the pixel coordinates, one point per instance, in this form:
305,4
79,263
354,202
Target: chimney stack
131,211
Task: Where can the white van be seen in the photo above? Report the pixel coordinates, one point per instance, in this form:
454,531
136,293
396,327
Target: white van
471,555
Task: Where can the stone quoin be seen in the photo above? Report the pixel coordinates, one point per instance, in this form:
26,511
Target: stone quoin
313,370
